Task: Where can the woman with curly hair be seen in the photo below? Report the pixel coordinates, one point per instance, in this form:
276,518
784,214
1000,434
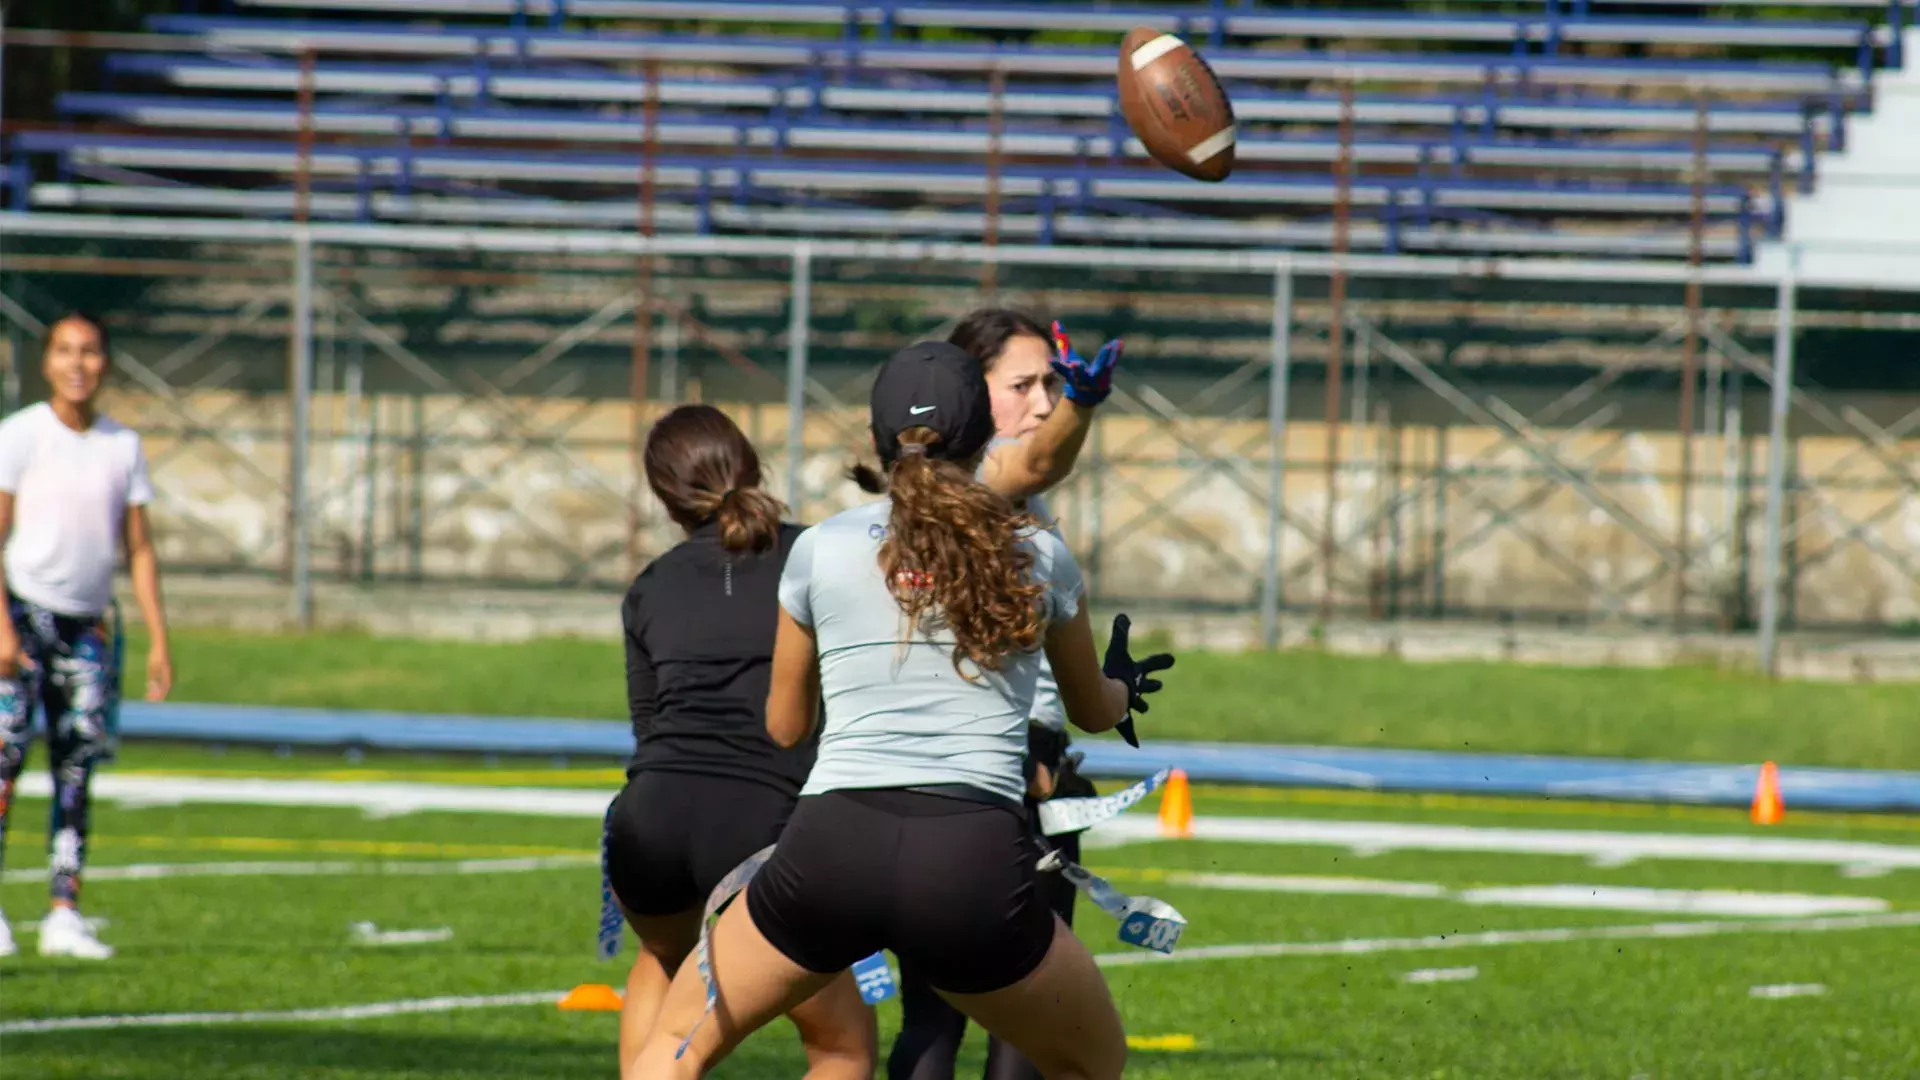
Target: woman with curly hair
917,624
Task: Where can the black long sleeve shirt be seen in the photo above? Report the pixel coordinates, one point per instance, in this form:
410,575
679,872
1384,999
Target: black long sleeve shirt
699,626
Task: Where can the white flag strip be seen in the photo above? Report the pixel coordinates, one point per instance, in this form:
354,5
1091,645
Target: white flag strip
1144,921
1059,816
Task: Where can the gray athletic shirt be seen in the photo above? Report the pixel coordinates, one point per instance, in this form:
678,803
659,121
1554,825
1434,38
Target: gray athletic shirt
1048,710
897,713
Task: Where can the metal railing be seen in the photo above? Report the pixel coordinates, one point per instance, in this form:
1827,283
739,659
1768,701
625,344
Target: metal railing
342,402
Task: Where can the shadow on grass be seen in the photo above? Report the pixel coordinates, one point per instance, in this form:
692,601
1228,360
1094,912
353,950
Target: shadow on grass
355,1053
341,1053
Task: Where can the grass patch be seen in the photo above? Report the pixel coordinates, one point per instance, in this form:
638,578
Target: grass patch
1305,696
1659,1008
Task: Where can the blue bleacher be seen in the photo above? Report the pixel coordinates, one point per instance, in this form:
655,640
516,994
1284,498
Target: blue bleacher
1461,147
1121,192
1503,132
1548,29
529,45
970,97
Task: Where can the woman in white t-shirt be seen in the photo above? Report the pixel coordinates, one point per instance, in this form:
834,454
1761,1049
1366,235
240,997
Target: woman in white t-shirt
73,491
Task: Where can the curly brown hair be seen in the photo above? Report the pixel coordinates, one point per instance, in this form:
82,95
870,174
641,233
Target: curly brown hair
953,558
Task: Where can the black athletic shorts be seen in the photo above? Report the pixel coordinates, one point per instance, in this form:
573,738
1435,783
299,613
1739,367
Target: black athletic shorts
675,835
948,884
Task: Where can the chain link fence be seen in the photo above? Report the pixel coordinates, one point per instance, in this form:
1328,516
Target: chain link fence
1571,443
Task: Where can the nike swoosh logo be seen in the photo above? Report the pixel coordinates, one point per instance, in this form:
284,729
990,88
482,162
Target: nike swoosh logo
916,410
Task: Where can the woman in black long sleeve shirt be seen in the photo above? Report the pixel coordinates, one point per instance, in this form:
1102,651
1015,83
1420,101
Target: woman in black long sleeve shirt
706,786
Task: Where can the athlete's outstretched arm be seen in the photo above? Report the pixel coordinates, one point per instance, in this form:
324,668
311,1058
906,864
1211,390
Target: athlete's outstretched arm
1037,462
793,691
1094,702
1045,457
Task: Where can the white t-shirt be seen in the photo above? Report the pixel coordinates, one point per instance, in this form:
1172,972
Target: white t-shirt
71,490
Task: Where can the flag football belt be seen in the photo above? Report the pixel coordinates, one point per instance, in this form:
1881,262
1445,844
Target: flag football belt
1144,921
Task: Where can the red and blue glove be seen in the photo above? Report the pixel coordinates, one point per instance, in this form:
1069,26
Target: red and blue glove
1087,382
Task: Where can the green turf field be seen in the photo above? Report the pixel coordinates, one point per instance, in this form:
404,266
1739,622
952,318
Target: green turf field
1309,697
1575,1004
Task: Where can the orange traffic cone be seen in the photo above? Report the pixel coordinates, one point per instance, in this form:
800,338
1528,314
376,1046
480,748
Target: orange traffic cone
1768,808
591,997
1176,806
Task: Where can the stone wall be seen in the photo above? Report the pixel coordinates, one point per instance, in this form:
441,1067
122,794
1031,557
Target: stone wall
448,489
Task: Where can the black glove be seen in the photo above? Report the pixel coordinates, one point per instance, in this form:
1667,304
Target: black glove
1068,783
1135,673
1046,745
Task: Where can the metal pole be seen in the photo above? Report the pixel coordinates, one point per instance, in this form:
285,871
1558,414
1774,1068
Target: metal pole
303,167
359,422
300,362
670,360
320,474
3,73
10,385
642,317
797,330
302,395
1777,463
1689,372
1277,380
1336,341
996,125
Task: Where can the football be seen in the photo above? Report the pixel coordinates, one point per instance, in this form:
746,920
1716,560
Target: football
1175,106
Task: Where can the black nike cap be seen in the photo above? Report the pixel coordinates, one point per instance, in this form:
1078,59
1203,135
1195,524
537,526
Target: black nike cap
932,384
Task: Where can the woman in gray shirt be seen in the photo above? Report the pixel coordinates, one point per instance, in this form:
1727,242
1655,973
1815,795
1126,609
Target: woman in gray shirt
1044,397
919,623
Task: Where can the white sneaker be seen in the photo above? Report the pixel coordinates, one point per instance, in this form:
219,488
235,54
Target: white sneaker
7,947
64,933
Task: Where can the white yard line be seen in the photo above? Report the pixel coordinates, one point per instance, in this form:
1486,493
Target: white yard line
379,798
1366,837
1347,947
1493,938
1378,837
1673,901
291,868
1570,896
288,1016
1440,975
1308,884
1787,990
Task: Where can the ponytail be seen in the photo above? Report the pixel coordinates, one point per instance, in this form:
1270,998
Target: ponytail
867,478
704,469
953,558
749,519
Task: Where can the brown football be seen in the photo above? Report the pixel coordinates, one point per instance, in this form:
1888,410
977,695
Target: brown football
1175,106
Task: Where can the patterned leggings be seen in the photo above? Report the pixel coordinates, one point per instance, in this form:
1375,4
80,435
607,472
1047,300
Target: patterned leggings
70,679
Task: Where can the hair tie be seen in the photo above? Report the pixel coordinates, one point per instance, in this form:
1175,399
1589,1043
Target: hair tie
913,448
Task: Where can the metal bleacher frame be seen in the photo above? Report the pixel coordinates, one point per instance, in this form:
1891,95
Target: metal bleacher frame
801,152
405,169
525,44
406,198
1557,22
